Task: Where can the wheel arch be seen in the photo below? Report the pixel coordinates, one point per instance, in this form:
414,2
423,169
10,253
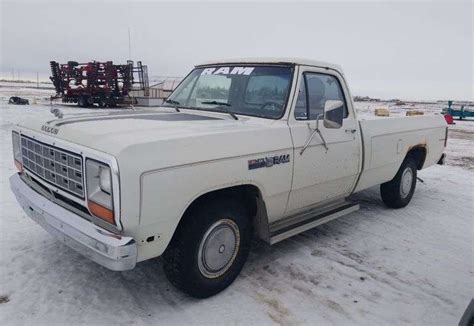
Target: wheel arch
251,196
418,152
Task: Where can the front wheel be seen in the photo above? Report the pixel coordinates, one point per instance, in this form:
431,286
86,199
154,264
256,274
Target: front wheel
209,248
398,192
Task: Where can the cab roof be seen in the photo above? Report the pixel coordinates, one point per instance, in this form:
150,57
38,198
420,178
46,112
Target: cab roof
273,60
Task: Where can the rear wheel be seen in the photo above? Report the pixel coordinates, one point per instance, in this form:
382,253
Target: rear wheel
209,248
102,102
83,101
398,192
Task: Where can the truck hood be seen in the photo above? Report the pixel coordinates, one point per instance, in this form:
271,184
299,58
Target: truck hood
114,132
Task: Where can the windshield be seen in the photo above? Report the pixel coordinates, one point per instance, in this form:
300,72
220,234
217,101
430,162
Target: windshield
260,91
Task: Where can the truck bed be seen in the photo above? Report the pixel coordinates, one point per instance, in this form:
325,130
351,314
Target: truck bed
386,141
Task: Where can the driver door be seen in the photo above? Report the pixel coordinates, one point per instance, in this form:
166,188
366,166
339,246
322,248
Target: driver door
321,176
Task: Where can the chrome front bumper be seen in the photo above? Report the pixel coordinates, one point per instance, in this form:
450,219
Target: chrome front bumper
116,252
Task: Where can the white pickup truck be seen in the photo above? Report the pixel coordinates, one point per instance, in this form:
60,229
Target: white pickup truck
246,148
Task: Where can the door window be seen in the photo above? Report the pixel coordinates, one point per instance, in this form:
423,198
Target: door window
315,90
301,110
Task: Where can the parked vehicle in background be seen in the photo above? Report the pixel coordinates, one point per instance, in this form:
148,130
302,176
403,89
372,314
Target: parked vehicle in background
18,100
244,148
461,112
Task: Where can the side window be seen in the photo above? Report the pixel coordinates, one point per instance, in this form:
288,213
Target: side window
320,88
301,107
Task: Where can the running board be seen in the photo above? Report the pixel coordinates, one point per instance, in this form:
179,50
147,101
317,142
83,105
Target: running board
305,221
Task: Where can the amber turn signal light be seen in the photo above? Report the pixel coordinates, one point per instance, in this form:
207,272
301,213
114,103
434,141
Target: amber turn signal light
101,212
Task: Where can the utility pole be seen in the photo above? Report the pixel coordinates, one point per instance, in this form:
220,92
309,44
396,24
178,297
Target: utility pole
129,45
37,80
13,74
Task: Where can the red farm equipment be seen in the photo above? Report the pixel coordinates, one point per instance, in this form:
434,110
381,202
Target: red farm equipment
102,83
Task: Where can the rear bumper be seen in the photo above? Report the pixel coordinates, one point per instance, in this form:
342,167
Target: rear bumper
110,250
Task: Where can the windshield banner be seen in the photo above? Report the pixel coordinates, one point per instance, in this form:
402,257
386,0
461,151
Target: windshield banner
228,71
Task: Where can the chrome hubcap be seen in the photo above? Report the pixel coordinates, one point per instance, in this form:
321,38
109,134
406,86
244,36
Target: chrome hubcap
405,184
218,248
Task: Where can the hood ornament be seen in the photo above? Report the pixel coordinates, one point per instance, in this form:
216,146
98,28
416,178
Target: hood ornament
57,113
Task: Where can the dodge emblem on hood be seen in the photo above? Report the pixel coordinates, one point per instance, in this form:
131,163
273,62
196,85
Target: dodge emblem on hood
49,129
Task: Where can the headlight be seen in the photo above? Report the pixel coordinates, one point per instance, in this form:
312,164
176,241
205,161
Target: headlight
105,180
17,151
99,190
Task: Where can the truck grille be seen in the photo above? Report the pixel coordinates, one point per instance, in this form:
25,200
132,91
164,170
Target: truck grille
53,165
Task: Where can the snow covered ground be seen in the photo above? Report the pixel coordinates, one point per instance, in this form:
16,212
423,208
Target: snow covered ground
376,266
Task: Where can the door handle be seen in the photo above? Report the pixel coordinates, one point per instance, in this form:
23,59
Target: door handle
351,131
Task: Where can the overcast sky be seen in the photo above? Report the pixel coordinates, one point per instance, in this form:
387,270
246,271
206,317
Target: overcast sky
409,50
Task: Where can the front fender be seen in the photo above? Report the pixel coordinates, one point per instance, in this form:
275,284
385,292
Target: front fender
167,193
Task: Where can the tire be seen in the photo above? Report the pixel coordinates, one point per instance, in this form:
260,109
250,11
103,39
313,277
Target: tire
398,192
82,101
209,248
102,102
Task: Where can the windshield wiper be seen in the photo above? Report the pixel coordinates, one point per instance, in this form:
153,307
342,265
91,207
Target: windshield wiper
216,103
176,103
232,114
172,102
222,109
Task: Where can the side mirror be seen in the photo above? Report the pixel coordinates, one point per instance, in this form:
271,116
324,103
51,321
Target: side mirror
333,114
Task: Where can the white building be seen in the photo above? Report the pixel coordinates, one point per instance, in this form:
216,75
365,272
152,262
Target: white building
157,92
